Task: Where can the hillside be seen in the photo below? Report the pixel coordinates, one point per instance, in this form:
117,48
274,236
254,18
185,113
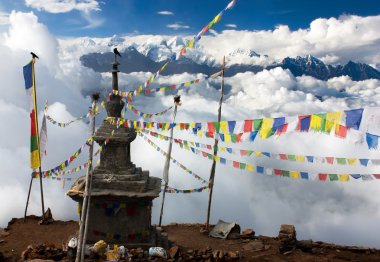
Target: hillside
189,244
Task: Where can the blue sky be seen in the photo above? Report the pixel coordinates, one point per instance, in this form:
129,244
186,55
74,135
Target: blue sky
188,17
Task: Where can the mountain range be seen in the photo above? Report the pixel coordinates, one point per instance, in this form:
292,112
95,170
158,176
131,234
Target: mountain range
149,57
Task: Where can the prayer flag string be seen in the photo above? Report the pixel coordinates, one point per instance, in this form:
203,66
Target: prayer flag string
337,123
190,44
351,161
185,191
60,124
141,114
158,149
65,163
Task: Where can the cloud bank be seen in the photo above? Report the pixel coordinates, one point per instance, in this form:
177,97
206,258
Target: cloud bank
59,6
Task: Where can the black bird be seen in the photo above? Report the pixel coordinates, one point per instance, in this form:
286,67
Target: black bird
116,52
177,100
34,55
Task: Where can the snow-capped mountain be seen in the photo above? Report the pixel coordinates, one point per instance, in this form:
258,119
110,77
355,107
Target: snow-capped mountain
195,62
148,55
243,52
312,66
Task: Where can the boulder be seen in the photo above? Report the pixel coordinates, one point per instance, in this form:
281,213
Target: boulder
287,231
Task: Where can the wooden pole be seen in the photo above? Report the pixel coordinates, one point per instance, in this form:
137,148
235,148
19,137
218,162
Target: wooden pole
90,186
212,173
27,200
34,91
38,139
85,205
177,101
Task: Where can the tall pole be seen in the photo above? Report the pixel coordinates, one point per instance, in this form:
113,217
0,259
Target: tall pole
34,91
38,142
27,200
212,173
177,102
87,192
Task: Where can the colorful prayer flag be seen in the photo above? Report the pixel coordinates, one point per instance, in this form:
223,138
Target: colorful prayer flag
30,87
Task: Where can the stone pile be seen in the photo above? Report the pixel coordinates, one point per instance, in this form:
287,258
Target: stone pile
206,254
288,238
43,252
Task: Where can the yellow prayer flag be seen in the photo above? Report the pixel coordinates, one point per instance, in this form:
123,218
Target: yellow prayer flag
258,153
227,138
224,127
222,149
294,174
332,119
249,167
344,178
316,122
300,158
217,159
266,127
352,161
217,18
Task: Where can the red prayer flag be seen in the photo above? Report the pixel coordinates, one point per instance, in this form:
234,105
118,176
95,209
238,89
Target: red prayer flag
248,126
322,177
330,160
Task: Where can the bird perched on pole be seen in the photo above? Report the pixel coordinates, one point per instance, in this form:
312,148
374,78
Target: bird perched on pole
116,52
34,55
177,100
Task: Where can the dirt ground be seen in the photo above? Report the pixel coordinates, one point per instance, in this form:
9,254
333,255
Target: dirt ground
19,235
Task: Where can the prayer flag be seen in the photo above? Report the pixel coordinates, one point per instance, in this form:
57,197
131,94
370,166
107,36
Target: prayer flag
344,178
266,128
372,141
363,161
353,118
303,123
43,136
332,119
30,87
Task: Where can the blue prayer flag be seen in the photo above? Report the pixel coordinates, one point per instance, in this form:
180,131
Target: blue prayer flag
353,118
260,169
372,141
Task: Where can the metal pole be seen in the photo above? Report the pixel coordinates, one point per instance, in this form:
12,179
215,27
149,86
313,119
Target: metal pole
177,101
212,173
80,248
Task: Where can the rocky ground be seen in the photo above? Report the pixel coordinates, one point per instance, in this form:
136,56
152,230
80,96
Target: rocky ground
49,242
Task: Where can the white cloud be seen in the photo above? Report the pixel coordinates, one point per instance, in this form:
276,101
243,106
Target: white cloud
4,18
177,26
63,6
231,25
165,13
345,38
87,9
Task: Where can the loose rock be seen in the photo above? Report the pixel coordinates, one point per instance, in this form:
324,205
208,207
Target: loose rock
247,234
174,252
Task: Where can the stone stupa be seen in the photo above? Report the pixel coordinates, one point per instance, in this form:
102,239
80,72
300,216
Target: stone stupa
122,194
